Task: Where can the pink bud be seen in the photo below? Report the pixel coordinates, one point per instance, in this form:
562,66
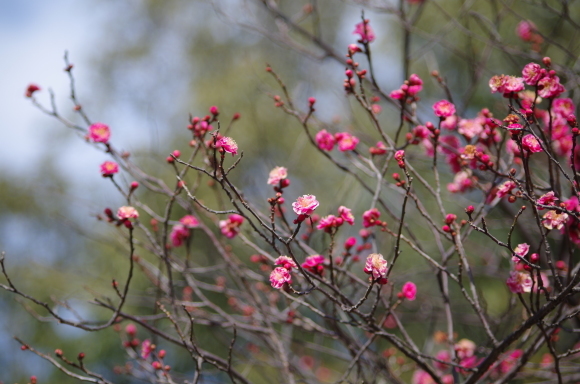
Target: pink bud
214,110
176,153
161,354
311,100
547,61
349,243
134,185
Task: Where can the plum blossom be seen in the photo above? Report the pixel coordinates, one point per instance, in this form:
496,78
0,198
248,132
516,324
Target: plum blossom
285,262
521,250
370,217
409,291
127,212
364,30
179,233
547,199
513,84
550,87
379,149
505,188
444,108
464,348
189,221
99,133
376,266
346,141
280,276
228,144
146,348
471,128
31,89
526,30
109,168
532,73
346,214
496,83
305,205
519,282
553,219
314,264
531,144
329,222
231,227
461,182
276,175
325,140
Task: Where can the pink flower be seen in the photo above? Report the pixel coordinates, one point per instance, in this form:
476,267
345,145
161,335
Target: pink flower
449,123
420,376
279,276
400,155
364,30
563,107
228,144
521,250
285,262
379,149
547,199
99,133
131,330
443,355
325,140
444,108
526,30
513,84
415,85
231,227
305,205
532,73
314,264
461,182
553,219
398,94
409,291
519,282
531,144
146,348
471,128
346,214
505,188
550,87
109,168
376,266
464,348
370,217
189,221
349,243
329,222
127,212
179,233
276,175
346,141
31,89
496,83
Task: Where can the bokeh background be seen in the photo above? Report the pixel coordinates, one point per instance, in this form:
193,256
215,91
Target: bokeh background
143,66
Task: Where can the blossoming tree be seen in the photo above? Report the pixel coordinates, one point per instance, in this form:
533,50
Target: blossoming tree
325,295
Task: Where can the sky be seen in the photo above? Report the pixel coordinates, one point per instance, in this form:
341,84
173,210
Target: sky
33,38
